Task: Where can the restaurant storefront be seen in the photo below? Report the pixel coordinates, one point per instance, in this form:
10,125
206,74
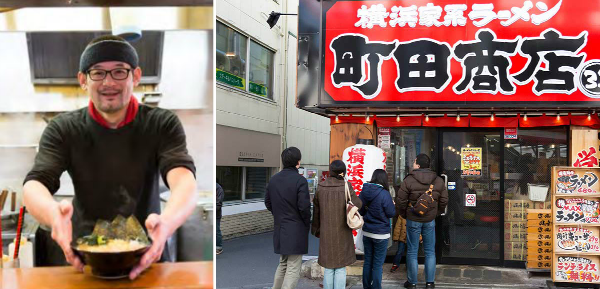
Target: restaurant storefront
496,93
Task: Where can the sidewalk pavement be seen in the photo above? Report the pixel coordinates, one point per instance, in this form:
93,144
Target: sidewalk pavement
447,276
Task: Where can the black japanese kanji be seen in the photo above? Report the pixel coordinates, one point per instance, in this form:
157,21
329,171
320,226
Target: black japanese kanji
482,55
349,51
423,65
554,78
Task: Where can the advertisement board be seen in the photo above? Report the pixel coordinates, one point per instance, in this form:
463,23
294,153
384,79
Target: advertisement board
448,53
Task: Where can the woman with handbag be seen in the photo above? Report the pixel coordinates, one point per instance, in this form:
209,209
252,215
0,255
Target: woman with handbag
331,225
377,210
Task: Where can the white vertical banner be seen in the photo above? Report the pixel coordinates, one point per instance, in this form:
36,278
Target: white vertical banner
361,161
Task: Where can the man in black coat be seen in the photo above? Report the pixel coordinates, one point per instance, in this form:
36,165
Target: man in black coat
288,200
220,198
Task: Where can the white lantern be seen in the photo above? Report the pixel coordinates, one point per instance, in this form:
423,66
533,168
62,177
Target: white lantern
361,161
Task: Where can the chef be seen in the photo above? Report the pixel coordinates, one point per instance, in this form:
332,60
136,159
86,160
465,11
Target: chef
114,151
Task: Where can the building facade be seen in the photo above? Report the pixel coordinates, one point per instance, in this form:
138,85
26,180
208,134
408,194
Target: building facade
256,112
482,96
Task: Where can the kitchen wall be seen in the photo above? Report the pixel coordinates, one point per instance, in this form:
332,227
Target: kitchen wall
186,81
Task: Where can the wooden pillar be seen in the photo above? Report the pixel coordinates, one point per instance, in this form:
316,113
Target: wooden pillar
582,143
344,135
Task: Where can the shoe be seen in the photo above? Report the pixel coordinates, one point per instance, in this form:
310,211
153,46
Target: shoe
219,251
430,285
408,285
394,268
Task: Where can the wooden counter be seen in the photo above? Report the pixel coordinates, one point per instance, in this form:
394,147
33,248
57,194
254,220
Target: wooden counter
160,275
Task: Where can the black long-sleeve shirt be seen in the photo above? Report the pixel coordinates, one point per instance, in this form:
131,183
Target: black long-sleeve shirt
114,171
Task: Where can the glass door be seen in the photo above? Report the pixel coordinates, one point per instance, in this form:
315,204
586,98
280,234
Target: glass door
470,232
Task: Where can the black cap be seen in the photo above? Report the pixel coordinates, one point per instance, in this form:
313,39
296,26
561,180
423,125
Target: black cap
108,48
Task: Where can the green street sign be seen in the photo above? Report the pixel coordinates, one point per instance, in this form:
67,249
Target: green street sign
233,80
257,89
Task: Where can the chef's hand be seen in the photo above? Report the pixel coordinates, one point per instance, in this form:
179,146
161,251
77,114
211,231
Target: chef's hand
158,231
62,233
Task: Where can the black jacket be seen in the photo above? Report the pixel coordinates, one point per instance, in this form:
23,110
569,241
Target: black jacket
288,200
220,198
415,184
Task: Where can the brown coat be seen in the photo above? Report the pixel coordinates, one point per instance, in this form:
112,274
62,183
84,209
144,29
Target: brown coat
415,184
336,245
400,230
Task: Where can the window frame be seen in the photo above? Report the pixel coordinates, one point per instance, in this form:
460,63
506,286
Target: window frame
243,185
249,40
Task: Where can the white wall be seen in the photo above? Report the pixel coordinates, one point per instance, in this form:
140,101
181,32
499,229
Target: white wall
237,108
308,132
187,70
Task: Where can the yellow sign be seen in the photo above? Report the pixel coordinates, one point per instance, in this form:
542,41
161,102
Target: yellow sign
470,161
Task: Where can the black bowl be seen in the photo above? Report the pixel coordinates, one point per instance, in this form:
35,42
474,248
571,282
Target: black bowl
110,265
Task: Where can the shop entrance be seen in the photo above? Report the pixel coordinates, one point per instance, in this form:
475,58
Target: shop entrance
471,163
470,230
486,233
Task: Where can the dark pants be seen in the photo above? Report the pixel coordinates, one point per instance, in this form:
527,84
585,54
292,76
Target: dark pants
399,253
219,235
375,250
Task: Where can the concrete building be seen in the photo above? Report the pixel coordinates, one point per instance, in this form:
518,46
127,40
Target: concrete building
256,114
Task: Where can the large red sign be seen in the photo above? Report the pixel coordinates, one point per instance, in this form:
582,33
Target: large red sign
458,51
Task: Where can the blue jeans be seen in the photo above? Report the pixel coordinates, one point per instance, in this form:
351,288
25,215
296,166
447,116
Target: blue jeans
399,253
375,250
219,236
427,230
334,278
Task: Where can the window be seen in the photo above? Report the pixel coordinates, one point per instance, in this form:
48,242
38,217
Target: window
231,56
256,182
529,160
232,62
54,56
244,183
261,70
230,178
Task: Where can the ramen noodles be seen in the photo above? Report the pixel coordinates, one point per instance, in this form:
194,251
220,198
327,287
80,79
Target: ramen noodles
112,246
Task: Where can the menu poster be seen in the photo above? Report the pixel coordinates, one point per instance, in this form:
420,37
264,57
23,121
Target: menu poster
577,210
576,182
577,239
470,161
577,269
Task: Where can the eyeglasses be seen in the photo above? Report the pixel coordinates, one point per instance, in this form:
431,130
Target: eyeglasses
116,74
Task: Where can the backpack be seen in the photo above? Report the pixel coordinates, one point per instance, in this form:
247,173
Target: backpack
424,203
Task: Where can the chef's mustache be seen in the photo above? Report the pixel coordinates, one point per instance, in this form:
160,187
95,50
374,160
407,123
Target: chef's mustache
110,90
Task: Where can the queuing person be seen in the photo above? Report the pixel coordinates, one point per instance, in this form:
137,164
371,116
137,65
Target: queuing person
377,209
220,198
114,150
288,200
417,183
399,235
336,244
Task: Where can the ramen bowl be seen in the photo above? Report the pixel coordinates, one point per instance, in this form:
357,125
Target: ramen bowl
110,265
